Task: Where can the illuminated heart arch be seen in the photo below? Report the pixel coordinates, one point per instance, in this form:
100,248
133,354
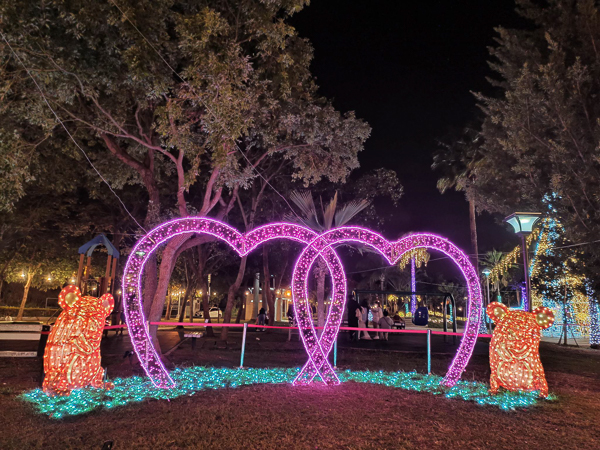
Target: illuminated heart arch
392,251
317,245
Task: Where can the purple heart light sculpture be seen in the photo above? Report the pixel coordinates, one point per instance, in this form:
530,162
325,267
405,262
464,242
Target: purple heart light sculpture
322,245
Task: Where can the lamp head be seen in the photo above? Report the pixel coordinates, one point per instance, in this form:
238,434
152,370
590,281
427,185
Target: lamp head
523,222
486,272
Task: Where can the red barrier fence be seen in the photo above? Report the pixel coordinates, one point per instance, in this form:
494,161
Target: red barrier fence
245,327
241,325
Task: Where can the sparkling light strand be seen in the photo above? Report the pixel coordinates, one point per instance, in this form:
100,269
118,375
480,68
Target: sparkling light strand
192,380
515,348
318,245
72,354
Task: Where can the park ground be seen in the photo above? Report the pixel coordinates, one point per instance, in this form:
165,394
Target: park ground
351,415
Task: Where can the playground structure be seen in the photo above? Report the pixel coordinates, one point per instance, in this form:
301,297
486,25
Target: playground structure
105,284
317,347
72,354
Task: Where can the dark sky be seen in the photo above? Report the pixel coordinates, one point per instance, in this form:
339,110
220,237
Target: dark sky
407,68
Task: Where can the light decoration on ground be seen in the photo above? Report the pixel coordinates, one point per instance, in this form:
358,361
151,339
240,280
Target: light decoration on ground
317,246
72,355
193,380
514,349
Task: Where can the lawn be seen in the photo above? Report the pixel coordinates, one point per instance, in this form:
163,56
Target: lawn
352,415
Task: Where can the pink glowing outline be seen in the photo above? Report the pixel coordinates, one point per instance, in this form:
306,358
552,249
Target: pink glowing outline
323,345
390,252
138,327
313,368
327,374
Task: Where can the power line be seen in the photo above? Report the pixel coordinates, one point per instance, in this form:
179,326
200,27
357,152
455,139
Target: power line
577,245
205,105
68,132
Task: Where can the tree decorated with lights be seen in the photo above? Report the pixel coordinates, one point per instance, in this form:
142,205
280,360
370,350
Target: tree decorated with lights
417,258
540,128
558,284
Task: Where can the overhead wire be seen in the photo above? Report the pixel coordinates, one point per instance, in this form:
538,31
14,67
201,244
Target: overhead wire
68,132
203,103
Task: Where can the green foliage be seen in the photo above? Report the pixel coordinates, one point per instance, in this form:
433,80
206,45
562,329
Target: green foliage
245,87
331,215
541,130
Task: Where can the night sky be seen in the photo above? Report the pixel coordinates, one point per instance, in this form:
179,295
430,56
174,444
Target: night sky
407,68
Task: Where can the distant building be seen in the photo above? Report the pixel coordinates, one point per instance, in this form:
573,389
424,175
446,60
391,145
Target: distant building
283,298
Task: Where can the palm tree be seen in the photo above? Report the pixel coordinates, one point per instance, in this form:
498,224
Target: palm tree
491,261
458,162
331,217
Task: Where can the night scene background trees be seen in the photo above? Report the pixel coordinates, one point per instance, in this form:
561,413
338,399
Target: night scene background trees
222,109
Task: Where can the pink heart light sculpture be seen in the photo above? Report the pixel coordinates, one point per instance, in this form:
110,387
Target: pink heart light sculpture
317,245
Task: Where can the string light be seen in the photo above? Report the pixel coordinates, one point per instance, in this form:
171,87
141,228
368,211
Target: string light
147,245
579,308
417,258
317,348
510,259
72,355
515,348
192,380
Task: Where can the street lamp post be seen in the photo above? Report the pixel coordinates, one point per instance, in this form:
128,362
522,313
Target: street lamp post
522,223
487,273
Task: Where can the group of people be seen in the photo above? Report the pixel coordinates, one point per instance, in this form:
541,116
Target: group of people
358,317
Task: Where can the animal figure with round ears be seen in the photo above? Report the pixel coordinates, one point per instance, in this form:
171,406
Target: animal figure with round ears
514,349
72,356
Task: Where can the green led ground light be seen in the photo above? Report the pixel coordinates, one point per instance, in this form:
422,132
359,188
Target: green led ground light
195,379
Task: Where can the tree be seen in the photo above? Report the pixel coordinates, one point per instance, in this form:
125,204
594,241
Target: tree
331,217
458,160
491,260
242,94
541,126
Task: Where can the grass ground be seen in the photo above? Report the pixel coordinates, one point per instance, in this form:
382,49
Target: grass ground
351,415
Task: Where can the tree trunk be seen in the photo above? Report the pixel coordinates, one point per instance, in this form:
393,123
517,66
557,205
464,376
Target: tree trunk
203,283
167,264
150,285
233,289
473,226
189,294
267,293
25,293
169,300
205,307
321,267
241,310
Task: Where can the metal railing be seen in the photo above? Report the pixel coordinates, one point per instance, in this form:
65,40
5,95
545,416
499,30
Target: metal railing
245,326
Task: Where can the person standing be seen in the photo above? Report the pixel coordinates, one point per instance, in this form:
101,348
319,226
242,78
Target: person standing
377,315
386,323
262,316
361,314
351,307
365,307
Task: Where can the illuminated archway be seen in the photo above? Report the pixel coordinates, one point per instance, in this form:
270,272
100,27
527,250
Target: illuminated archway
243,244
392,251
317,245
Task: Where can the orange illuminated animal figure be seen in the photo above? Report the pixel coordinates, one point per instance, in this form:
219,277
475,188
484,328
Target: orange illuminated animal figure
72,356
514,350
